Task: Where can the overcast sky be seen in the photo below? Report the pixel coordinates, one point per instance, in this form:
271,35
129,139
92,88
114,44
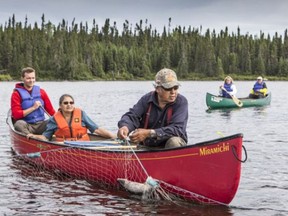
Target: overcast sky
252,16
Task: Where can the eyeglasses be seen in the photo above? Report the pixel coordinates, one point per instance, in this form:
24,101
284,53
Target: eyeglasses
67,102
170,89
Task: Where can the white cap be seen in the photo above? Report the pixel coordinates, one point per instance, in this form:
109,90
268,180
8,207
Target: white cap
259,78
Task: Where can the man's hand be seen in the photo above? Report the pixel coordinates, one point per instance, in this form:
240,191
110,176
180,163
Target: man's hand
36,136
139,135
36,105
123,132
30,135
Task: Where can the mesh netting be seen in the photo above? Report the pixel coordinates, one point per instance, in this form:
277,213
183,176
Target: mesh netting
104,168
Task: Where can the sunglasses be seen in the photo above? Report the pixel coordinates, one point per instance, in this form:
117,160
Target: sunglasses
67,102
170,89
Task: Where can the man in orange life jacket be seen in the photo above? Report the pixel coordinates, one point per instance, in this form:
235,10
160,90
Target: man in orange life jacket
71,123
159,118
27,104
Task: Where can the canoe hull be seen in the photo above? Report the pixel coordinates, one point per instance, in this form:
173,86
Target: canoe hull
217,102
207,172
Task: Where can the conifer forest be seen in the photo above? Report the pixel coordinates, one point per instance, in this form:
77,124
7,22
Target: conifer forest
136,52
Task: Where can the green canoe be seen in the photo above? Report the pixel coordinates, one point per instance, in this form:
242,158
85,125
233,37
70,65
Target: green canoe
217,102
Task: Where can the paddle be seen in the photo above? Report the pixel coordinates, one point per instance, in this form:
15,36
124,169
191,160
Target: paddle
93,143
45,111
116,147
111,147
234,98
97,144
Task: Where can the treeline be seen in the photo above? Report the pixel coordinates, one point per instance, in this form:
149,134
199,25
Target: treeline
77,52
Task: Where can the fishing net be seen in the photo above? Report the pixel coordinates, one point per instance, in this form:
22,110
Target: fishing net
107,165
105,168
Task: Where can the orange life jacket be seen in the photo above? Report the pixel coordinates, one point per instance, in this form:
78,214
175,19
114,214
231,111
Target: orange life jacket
73,132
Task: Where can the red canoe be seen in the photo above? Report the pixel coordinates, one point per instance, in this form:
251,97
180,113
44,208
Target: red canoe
206,172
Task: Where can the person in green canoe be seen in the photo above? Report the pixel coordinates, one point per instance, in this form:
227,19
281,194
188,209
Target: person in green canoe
228,89
259,89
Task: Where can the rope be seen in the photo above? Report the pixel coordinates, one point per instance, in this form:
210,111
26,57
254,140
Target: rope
235,154
155,185
143,168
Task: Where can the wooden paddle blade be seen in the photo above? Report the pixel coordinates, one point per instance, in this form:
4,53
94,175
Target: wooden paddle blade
237,101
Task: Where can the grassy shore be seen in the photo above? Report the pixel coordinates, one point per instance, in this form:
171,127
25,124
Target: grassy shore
192,77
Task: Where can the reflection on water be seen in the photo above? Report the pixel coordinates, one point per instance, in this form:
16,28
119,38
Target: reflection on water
44,190
226,113
229,111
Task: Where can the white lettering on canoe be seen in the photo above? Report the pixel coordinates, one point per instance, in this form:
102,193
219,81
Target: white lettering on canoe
216,99
215,150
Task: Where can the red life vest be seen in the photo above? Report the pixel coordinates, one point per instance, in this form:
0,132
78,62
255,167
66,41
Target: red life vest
73,132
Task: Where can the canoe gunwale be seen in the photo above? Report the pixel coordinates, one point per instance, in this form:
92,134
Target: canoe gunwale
63,145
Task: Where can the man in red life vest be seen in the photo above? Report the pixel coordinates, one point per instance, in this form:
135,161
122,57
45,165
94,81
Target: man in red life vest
28,102
159,118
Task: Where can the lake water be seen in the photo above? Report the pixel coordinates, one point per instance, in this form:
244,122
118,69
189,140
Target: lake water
263,187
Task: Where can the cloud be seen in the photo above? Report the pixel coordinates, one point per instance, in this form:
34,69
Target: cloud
252,16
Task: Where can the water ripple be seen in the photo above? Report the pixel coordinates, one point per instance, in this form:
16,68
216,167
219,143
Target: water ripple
264,179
